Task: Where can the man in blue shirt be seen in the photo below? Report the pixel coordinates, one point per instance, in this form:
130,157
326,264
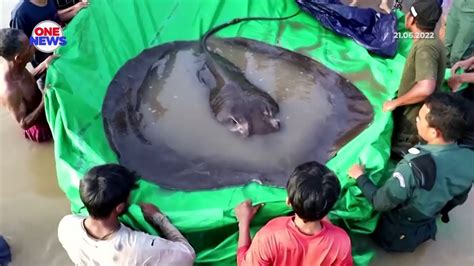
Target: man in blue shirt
28,13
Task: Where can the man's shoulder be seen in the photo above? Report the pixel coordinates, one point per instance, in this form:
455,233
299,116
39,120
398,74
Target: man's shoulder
20,9
463,152
71,219
337,233
432,46
451,149
278,223
415,152
140,238
418,158
70,225
275,226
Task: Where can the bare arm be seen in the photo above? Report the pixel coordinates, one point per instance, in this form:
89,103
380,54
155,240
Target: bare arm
154,216
244,235
457,80
465,64
467,77
244,213
16,106
417,93
39,69
470,62
169,231
67,14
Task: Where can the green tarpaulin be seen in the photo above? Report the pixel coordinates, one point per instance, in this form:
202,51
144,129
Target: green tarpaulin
109,33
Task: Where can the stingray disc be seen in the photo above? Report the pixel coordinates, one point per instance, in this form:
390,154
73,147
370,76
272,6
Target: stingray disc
158,120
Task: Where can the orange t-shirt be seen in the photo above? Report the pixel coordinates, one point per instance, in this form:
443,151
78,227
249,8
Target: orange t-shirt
280,242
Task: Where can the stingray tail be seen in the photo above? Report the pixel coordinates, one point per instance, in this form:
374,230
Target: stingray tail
235,21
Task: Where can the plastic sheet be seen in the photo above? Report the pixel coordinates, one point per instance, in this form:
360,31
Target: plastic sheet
109,33
374,31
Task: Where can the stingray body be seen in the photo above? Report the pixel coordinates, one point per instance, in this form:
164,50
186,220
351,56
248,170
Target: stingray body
157,119
235,102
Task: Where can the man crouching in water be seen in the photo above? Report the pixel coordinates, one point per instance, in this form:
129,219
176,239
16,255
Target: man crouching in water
429,181
19,92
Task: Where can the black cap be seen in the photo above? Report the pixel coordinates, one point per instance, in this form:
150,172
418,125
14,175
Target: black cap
426,13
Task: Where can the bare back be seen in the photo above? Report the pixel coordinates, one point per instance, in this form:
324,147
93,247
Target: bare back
19,94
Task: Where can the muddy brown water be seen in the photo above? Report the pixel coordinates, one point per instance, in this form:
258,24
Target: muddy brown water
320,111
31,204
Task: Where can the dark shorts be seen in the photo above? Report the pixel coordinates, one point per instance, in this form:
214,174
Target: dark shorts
405,134
394,235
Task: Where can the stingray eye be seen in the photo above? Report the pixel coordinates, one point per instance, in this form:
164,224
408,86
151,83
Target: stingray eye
233,121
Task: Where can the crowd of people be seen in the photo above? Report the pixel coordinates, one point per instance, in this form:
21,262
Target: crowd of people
432,129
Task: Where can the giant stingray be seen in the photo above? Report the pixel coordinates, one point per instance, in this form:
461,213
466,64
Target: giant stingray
235,101
162,119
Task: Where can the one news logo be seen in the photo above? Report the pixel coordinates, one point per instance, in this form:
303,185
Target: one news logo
47,36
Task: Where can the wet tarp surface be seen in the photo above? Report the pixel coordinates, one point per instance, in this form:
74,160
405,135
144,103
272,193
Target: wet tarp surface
158,120
103,37
375,31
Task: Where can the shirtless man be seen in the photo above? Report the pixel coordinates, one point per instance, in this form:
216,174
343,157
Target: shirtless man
19,92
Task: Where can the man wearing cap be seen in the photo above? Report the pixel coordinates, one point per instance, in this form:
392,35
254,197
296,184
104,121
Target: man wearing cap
422,75
426,182
459,38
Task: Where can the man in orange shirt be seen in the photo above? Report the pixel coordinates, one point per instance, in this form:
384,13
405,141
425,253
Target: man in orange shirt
305,238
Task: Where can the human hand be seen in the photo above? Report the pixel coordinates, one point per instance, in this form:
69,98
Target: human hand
149,210
389,106
454,82
356,171
46,88
47,62
83,4
245,212
465,64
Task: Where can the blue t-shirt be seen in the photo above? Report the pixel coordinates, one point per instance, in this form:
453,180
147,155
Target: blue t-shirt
26,15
